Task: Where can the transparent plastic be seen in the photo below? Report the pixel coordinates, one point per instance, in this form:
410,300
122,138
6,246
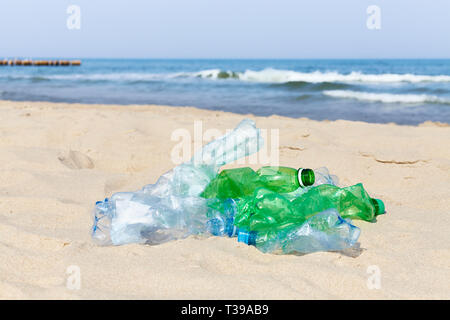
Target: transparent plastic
172,208
325,231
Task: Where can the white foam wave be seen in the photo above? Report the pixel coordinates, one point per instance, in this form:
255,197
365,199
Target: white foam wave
386,97
262,76
282,76
210,73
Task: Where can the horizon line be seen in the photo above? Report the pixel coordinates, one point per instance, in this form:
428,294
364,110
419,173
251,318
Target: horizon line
216,58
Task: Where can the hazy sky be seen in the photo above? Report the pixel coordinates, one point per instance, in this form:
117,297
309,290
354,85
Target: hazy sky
225,29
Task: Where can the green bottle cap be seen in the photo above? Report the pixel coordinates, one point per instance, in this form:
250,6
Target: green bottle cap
305,177
379,206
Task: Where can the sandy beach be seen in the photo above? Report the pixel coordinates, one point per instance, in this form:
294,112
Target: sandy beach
58,159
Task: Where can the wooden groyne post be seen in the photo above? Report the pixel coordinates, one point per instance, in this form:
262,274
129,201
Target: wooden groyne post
39,63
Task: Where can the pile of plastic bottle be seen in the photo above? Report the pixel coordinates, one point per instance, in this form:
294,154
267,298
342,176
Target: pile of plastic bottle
275,209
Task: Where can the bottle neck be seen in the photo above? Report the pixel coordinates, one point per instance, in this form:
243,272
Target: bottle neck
378,205
305,177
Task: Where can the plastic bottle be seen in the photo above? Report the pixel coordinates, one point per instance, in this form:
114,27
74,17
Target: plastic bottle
265,209
351,202
222,223
325,231
241,182
172,207
285,179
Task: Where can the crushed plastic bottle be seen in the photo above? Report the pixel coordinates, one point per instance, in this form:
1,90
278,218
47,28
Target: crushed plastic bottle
266,209
275,208
241,182
351,202
221,223
325,231
172,208
272,225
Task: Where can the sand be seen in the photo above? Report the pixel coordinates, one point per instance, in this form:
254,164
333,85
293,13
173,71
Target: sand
58,159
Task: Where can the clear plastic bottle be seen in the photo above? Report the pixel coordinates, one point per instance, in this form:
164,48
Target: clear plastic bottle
172,208
325,231
221,222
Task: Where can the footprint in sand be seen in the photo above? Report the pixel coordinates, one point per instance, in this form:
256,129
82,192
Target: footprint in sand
76,160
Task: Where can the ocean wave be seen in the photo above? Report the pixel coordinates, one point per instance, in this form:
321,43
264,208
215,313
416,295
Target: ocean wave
317,76
38,79
288,76
92,77
429,90
274,76
386,97
304,97
321,86
109,76
141,77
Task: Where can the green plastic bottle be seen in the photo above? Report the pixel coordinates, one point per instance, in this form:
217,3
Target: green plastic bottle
266,210
351,202
269,210
242,182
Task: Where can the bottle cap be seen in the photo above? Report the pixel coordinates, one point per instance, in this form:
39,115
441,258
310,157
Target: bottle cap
247,237
379,206
305,177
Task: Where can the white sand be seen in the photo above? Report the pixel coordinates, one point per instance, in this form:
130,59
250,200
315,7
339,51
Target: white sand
58,159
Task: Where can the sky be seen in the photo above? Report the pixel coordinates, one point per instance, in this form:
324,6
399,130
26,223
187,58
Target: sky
286,29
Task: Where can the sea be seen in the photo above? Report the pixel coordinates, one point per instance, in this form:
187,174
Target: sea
405,92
